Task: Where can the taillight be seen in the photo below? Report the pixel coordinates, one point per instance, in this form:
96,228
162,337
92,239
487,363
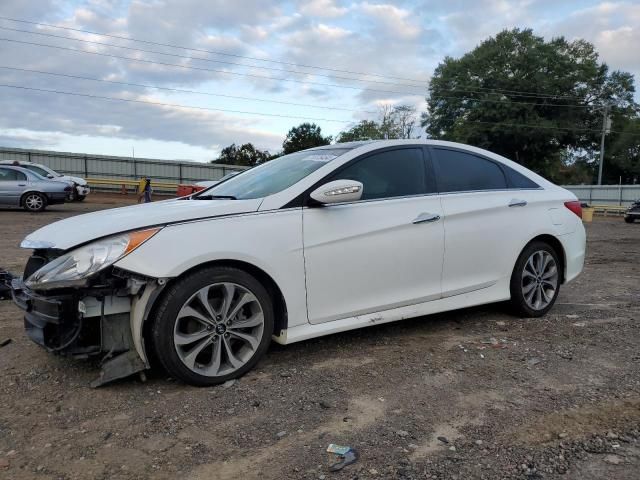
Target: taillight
575,207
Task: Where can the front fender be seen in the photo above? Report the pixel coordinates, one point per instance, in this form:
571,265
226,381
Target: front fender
270,241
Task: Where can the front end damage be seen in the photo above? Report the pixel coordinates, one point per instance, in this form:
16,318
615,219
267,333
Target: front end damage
103,318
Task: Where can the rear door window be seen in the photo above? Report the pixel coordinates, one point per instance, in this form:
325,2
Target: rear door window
458,171
9,175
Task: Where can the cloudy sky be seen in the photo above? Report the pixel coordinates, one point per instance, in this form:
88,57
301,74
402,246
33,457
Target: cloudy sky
252,68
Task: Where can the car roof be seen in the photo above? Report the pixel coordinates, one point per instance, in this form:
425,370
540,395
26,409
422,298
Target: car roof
14,167
10,163
349,145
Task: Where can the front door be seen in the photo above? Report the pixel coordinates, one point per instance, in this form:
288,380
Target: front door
381,252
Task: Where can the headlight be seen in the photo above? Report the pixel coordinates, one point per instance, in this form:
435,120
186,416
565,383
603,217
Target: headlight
73,268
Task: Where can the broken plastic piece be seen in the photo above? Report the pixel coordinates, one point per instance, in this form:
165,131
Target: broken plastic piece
347,459
337,449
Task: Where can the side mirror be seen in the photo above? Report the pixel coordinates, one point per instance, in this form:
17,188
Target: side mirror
338,191
49,175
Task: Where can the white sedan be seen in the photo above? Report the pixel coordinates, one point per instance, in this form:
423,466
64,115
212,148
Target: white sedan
313,243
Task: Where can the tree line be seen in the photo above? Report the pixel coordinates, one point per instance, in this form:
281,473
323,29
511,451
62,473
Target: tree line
538,102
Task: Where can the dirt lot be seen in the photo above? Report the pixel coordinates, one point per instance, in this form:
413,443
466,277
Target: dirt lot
557,397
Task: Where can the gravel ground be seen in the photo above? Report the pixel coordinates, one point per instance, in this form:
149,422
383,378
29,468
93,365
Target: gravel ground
476,393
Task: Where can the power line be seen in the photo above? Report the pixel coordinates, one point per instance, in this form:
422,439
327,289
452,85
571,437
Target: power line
205,59
545,127
86,95
527,96
117,82
263,76
180,90
511,102
214,52
517,93
100,97
499,124
496,90
189,67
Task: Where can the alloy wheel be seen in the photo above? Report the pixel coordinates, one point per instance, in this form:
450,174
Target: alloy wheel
218,329
34,202
539,280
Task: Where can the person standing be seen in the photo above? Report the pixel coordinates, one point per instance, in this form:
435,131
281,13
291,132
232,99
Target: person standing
145,190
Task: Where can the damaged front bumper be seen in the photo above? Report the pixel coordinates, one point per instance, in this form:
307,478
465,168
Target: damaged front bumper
91,321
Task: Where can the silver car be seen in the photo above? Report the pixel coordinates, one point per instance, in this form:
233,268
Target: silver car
81,188
20,187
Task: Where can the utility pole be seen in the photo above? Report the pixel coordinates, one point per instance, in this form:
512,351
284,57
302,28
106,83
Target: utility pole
606,127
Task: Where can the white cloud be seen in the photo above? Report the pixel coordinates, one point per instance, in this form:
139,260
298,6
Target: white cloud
401,39
322,8
393,20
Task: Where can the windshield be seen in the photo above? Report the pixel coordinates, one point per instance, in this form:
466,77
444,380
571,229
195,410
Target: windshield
40,171
274,176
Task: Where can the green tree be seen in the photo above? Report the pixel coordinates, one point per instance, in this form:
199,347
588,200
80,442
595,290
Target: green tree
395,122
525,98
246,155
622,154
365,130
305,135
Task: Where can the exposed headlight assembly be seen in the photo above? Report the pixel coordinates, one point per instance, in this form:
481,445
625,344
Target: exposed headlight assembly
73,268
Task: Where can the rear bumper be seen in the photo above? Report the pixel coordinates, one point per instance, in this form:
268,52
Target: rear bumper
575,246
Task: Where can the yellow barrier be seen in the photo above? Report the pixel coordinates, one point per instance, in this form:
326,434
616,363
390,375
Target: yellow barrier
608,209
123,183
587,214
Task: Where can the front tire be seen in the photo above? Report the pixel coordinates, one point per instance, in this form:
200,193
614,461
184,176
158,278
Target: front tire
80,198
34,202
212,326
629,219
535,281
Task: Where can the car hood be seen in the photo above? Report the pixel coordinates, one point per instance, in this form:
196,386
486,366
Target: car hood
81,229
69,178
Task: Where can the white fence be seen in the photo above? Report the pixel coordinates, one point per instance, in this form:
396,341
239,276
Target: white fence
606,194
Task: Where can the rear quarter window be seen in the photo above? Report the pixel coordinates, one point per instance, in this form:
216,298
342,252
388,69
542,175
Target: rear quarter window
518,180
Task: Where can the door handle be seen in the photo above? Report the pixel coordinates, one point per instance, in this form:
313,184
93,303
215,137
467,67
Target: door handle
22,184
517,203
426,218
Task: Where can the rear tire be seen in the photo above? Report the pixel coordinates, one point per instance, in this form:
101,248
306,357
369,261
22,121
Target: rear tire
535,281
34,202
213,325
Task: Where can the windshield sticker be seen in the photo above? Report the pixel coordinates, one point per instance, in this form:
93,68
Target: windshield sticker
320,158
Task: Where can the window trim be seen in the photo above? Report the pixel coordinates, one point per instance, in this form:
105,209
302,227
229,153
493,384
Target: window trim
304,200
507,179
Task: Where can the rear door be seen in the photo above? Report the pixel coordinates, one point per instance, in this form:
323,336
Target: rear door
485,219
381,252
12,184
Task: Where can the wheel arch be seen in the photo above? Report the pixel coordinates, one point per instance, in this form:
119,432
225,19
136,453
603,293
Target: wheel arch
24,195
279,303
554,243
